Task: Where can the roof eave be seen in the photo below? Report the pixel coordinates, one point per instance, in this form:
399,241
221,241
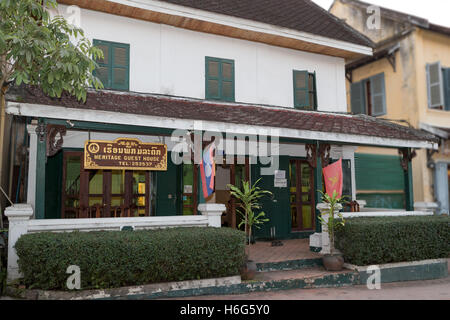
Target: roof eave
73,114
220,24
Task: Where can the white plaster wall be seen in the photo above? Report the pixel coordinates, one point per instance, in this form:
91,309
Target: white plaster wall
169,60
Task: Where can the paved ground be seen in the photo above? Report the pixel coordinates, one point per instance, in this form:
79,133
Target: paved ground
295,249
411,290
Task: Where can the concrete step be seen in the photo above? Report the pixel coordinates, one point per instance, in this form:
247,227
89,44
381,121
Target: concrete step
289,265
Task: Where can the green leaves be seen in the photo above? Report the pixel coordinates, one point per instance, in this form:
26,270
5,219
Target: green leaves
49,53
367,241
123,258
249,198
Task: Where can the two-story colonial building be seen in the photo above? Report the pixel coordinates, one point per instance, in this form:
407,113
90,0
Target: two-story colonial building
407,80
267,74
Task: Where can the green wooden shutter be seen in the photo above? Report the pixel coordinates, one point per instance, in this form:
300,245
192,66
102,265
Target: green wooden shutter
301,89
435,85
212,84
227,77
446,77
103,71
114,69
378,95
120,66
358,102
219,79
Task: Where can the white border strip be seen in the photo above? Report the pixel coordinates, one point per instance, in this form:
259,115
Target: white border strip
385,214
55,112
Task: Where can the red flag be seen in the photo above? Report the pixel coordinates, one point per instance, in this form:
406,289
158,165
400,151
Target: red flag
333,178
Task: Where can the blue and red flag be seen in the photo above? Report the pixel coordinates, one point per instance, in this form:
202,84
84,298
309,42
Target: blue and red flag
208,170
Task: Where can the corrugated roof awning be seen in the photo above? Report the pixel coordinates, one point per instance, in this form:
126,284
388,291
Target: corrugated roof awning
181,113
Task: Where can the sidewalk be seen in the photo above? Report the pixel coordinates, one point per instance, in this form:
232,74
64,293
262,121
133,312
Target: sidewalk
412,290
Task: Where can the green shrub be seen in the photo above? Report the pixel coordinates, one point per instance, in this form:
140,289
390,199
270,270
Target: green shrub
121,258
368,241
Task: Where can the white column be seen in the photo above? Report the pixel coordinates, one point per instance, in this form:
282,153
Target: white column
324,209
31,188
18,217
214,212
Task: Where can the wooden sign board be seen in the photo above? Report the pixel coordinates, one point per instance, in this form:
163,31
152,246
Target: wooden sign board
125,154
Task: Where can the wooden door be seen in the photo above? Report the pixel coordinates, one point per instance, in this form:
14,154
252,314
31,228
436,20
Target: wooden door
103,193
302,202
70,193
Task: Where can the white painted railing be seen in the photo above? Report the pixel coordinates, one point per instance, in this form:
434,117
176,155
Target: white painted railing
20,223
385,214
115,224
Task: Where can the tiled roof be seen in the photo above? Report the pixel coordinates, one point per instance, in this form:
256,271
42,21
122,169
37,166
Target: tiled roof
186,108
404,17
300,15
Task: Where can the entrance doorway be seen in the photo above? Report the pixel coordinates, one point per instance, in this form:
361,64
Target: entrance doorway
104,193
230,174
302,202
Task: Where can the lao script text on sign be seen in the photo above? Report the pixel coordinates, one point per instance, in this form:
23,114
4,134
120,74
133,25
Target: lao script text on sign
125,154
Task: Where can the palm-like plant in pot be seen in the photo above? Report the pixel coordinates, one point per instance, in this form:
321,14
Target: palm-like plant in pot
249,197
332,219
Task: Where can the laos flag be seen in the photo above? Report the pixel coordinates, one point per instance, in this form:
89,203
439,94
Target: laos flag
208,171
333,178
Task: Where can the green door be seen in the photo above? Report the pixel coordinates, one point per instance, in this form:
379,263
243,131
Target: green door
275,207
168,189
53,186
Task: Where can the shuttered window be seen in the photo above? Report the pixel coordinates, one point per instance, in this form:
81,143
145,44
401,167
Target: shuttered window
305,92
435,85
113,70
358,100
377,95
446,76
368,96
219,77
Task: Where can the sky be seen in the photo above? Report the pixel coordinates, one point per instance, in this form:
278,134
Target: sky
436,11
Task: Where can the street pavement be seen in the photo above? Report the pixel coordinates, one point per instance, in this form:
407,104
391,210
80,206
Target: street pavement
411,290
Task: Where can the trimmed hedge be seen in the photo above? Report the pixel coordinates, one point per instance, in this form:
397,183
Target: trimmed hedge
368,241
111,259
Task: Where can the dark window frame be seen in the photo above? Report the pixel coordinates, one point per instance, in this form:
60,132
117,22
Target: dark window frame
308,104
111,64
220,79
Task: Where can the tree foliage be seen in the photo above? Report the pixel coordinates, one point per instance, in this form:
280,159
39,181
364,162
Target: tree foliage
36,49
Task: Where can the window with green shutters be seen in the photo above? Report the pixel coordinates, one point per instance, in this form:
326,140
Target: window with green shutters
219,79
435,85
368,96
305,93
114,69
438,86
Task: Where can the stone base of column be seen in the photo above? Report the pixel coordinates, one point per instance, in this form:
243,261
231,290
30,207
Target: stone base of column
214,212
18,217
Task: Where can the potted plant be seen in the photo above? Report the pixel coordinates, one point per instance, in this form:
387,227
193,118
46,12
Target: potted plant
249,198
334,219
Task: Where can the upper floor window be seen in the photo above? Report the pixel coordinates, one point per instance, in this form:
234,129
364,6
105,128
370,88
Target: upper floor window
438,86
305,92
219,79
369,96
114,69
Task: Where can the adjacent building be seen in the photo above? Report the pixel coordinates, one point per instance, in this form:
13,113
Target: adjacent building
406,81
